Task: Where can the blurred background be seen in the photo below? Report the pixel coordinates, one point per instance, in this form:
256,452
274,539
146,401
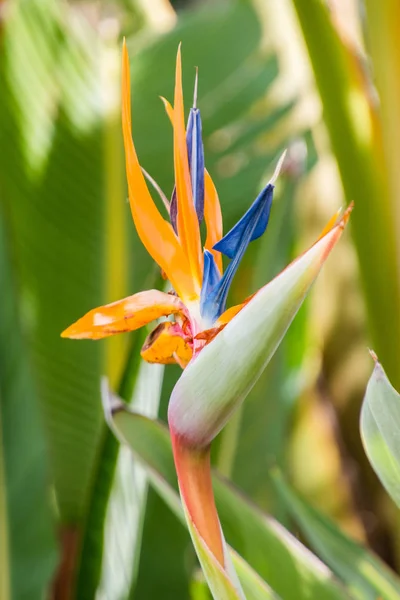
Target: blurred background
272,75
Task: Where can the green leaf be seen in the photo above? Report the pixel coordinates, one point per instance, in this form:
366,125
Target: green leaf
271,551
90,566
380,430
365,575
52,182
126,508
214,384
28,554
356,137
222,583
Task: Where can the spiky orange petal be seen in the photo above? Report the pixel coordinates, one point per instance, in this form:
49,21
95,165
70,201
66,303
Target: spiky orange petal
125,315
212,217
168,109
156,234
188,225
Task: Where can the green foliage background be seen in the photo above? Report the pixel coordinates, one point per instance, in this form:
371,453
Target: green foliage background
67,244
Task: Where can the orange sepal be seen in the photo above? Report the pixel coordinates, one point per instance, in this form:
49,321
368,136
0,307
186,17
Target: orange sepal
168,109
209,334
232,312
212,218
212,207
125,315
167,345
331,223
339,217
187,222
156,234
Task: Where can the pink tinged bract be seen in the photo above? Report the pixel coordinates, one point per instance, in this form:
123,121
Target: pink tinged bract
218,379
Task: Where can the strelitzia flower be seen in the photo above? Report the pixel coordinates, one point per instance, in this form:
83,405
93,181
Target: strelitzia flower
222,351
200,288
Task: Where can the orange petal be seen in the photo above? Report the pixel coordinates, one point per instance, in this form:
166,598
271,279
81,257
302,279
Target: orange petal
331,223
212,207
209,334
156,234
188,225
168,109
167,345
232,312
335,219
212,217
124,315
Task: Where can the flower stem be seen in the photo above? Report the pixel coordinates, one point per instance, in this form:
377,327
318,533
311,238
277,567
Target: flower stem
193,468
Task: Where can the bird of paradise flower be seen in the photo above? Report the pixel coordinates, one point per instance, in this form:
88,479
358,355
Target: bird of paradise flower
197,301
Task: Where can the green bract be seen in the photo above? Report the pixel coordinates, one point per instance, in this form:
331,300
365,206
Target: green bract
219,378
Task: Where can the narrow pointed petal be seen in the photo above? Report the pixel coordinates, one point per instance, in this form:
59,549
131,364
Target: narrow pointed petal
254,222
188,225
213,218
155,232
235,246
332,221
211,208
216,382
195,149
195,152
167,345
125,315
168,109
250,227
211,278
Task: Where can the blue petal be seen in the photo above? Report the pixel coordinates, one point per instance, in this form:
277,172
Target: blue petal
234,244
195,148
211,278
255,221
173,210
194,143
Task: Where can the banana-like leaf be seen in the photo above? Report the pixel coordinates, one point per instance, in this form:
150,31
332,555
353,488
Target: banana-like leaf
380,430
365,575
53,193
271,551
382,23
127,502
28,554
215,383
355,132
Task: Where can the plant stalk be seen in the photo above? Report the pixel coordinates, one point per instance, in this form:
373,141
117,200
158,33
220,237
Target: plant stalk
193,468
